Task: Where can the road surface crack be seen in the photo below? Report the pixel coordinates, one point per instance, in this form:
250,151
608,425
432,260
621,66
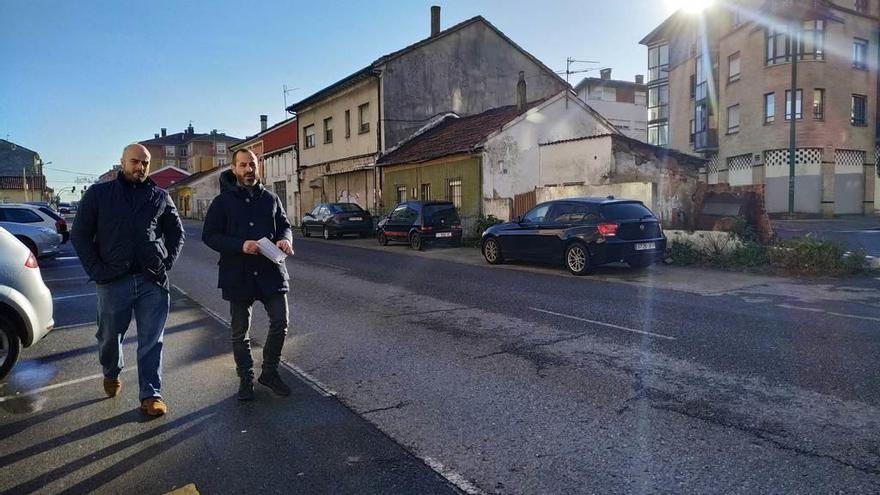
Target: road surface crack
399,405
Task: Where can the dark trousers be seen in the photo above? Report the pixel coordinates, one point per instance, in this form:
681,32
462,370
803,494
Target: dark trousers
241,311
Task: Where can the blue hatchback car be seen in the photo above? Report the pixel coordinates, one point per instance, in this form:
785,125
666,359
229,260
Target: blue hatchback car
582,233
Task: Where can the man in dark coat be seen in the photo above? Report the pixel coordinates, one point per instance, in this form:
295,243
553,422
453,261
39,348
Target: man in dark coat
242,214
127,234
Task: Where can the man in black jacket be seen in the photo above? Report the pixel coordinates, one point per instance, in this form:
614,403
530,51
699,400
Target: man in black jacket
243,213
127,234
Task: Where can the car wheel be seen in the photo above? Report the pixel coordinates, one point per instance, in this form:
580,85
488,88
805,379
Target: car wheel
30,245
492,251
415,242
10,347
383,241
640,262
577,259
305,232
326,234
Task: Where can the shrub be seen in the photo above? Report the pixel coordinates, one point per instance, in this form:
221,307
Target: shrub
482,224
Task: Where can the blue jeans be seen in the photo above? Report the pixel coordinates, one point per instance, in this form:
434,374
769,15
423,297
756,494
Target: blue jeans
149,302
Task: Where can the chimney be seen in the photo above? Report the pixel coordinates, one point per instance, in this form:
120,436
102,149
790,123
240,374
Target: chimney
156,136
263,122
163,131
521,91
640,79
605,74
190,130
435,20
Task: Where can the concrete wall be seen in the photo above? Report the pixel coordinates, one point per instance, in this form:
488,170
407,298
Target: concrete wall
511,158
203,191
466,72
588,161
642,191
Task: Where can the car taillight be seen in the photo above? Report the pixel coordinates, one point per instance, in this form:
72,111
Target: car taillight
31,261
61,226
607,229
426,228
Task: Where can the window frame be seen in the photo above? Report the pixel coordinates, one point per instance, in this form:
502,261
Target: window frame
347,123
820,113
328,130
732,78
309,143
401,193
863,122
220,148
860,46
171,151
798,105
364,118
425,192
451,186
733,129
658,70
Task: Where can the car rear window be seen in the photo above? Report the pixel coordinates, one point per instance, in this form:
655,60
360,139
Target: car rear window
624,211
52,214
346,208
441,215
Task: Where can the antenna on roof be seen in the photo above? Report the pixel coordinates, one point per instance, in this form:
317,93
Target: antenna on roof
284,91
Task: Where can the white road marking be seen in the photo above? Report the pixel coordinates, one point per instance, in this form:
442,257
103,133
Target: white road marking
859,317
65,327
65,279
602,323
812,310
73,297
66,258
58,385
832,313
452,477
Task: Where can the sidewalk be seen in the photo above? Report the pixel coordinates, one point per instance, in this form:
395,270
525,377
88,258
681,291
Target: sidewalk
59,434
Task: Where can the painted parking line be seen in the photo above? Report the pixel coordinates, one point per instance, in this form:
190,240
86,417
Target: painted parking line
73,297
59,385
48,280
832,313
75,325
602,323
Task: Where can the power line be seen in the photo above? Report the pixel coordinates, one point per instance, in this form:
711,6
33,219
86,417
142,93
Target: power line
70,171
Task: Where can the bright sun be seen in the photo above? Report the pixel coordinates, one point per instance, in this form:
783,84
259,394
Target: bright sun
690,6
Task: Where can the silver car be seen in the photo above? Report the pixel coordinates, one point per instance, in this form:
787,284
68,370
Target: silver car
42,241
25,301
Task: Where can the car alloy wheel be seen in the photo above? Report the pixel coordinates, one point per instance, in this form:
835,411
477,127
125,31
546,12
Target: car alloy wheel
492,252
326,234
415,242
576,259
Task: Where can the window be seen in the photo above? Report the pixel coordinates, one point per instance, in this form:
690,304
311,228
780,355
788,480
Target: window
169,163
798,114
348,123
182,151
170,151
859,104
769,108
776,39
860,53
454,192
736,18
364,118
818,104
328,130
658,134
658,102
20,215
221,162
401,194
426,192
691,136
658,62
537,214
862,6
733,119
733,67
309,133
812,44
221,148
693,86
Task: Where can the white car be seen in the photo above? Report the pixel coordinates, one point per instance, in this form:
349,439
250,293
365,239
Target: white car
38,215
25,301
41,241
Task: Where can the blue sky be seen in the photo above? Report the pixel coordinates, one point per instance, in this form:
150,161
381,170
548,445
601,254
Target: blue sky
81,79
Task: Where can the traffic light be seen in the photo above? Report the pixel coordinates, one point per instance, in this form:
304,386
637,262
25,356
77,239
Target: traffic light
73,189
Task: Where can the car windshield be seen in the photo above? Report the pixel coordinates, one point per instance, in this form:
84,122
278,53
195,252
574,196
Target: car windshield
345,208
441,215
624,211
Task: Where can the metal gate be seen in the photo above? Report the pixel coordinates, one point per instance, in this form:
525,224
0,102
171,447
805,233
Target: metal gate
524,202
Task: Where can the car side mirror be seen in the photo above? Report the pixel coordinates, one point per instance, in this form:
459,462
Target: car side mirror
518,219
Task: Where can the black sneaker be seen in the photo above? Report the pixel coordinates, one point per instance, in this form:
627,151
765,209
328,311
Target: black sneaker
273,381
246,389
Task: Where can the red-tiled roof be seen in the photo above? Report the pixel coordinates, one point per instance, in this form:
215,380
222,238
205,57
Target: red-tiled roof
454,135
17,182
166,176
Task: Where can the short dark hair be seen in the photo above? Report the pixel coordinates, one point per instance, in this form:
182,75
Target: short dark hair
236,152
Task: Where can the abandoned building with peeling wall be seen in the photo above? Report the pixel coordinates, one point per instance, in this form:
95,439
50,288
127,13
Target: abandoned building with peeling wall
613,164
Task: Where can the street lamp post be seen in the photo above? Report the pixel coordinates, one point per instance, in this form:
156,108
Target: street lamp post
794,42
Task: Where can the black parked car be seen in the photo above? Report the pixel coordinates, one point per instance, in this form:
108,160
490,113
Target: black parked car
580,232
421,222
336,220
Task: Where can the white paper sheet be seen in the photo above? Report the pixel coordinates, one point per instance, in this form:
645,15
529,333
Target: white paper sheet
271,251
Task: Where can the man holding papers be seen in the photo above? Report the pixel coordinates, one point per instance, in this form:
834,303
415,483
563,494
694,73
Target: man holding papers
241,219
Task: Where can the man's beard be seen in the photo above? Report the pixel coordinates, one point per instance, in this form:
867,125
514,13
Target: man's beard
249,180
135,177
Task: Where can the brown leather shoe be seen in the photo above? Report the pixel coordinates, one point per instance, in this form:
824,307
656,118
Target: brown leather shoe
154,406
112,387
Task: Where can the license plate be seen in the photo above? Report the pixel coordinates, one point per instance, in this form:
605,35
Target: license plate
355,219
444,234
644,246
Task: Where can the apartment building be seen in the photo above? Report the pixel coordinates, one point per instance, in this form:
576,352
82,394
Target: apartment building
189,151
719,85
623,103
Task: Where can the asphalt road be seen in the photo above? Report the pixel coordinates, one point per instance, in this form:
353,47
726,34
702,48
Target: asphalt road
540,382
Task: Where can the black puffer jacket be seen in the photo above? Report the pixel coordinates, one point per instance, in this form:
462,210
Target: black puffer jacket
235,216
110,235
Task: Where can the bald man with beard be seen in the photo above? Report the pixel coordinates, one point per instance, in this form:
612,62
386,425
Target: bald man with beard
128,235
